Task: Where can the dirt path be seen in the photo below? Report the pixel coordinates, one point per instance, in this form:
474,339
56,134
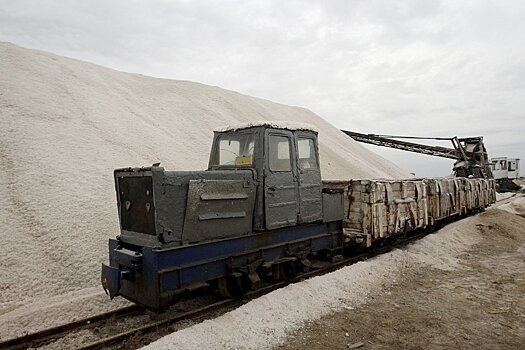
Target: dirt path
479,305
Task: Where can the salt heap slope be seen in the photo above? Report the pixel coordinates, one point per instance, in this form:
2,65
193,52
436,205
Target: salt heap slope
66,124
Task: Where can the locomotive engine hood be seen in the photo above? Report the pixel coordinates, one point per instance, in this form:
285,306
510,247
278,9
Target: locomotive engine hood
168,208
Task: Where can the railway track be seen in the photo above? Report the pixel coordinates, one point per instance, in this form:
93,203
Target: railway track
51,335
230,303
48,335
54,334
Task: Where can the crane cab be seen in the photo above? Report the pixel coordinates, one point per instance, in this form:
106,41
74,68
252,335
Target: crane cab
506,173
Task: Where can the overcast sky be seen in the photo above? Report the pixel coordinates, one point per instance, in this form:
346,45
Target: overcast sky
426,68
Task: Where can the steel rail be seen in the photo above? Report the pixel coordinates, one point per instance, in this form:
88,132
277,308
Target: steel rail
46,336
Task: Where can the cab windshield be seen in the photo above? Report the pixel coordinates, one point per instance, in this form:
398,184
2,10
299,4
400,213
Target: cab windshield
235,149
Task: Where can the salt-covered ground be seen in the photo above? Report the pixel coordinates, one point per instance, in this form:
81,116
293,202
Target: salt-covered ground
269,321
477,305
64,126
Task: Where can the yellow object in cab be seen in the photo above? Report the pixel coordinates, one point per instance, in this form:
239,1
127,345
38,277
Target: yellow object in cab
243,160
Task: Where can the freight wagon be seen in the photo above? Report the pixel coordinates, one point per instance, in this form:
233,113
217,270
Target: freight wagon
260,211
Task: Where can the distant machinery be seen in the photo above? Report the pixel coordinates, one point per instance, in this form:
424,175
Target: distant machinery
506,173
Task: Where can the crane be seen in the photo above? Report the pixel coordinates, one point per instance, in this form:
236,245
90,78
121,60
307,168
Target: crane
469,152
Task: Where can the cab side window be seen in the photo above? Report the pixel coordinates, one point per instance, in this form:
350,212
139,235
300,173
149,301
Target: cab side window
307,154
279,149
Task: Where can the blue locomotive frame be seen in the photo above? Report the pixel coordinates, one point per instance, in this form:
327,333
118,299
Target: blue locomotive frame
153,277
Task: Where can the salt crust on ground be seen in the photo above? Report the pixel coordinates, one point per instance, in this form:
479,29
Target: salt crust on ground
64,126
515,206
265,322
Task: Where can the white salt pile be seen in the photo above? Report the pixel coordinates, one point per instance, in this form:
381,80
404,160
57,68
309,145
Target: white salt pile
265,322
64,126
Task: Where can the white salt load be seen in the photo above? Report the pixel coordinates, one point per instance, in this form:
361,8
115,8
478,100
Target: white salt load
64,126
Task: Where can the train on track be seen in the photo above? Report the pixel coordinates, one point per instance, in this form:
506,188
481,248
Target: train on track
260,212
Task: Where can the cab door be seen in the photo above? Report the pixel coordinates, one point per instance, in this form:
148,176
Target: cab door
310,200
280,183
512,167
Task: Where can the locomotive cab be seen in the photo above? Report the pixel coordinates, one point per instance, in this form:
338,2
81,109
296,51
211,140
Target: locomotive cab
285,160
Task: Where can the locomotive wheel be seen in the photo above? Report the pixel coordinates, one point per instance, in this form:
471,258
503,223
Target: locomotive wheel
233,286
304,265
284,271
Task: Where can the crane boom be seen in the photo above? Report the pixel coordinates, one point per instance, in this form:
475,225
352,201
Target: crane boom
469,152
388,141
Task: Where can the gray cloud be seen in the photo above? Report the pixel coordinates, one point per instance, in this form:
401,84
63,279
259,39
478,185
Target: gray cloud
437,68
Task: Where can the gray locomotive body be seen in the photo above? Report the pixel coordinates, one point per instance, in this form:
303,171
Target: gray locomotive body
259,211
